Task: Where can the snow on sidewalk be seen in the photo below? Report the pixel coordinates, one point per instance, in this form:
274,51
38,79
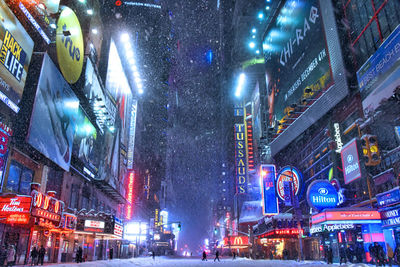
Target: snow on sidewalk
196,262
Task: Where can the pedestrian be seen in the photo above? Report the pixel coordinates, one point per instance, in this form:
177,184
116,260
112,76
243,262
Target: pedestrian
397,254
359,253
216,256
390,254
79,254
204,256
381,256
111,253
11,256
34,255
329,255
349,253
153,254
285,254
3,255
296,255
42,252
234,255
342,254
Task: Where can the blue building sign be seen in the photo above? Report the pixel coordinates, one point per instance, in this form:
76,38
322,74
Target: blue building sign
390,217
322,194
388,198
270,200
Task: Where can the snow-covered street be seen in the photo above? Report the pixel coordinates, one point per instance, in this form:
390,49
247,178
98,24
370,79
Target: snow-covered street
196,262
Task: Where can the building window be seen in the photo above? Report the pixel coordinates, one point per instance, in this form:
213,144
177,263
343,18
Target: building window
19,178
73,203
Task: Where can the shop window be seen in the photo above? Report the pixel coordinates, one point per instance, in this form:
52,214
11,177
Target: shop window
19,178
85,203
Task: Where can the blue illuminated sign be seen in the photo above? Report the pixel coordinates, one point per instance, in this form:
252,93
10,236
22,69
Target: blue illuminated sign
390,217
34,23
270,200
322,194
388,198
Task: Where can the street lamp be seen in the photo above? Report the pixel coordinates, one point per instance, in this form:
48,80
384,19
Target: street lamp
241,82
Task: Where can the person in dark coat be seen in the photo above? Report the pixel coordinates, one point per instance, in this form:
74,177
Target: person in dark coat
342,254
111,253
216,256
204,256
285,254
349,253
359,253
42,252
234,255
34,255
329,255
3,255
79,254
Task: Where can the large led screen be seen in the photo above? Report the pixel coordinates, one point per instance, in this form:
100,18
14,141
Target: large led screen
15,55
85,146
53,120
109,164
118,86
296,59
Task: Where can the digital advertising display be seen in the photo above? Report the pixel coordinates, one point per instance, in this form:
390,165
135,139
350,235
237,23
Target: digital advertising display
85,146
118,86
16,49
54,116
103,107
380,74
296,58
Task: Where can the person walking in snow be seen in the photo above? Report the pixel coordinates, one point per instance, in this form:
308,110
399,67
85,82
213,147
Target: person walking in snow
216,256
204,256
234,255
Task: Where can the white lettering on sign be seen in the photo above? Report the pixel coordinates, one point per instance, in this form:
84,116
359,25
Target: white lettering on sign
94,224
330,227
338,138
323,199
13,206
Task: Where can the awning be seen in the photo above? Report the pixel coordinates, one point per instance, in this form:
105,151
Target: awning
346,215
109,191
251,212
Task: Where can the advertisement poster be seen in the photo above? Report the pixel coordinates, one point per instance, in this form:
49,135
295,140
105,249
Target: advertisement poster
352,169
118,86
54,115
86,142
108,170
296,58
15,55
95,95
380,74
270,200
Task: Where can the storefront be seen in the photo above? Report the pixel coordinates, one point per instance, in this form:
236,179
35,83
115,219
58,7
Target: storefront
389,207
351,228
276,242
238,244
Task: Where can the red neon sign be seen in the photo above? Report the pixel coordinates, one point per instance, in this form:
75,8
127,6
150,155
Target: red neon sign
345,216
18,218
129,194
14,205
282,232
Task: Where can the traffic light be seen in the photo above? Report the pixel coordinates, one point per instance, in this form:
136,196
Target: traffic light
215,231
179,227
370,149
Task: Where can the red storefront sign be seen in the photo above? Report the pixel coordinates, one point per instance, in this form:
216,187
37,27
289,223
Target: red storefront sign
281,233
241,240
22,218
361,216
17,204
46,209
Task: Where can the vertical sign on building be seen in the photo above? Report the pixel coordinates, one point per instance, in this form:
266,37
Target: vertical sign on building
132,128
129,195
5,133
270,200
240,158
249,139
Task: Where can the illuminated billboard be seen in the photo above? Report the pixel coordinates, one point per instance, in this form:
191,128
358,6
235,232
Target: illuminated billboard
353,169
85,146
118,86
240,158
15,55
53,120
303,71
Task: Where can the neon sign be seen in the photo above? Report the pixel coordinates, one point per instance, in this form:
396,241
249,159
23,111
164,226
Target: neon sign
47,209
240,158
270,201
236,240
18,219
15,205
288,174
282,232
129,194
94,226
